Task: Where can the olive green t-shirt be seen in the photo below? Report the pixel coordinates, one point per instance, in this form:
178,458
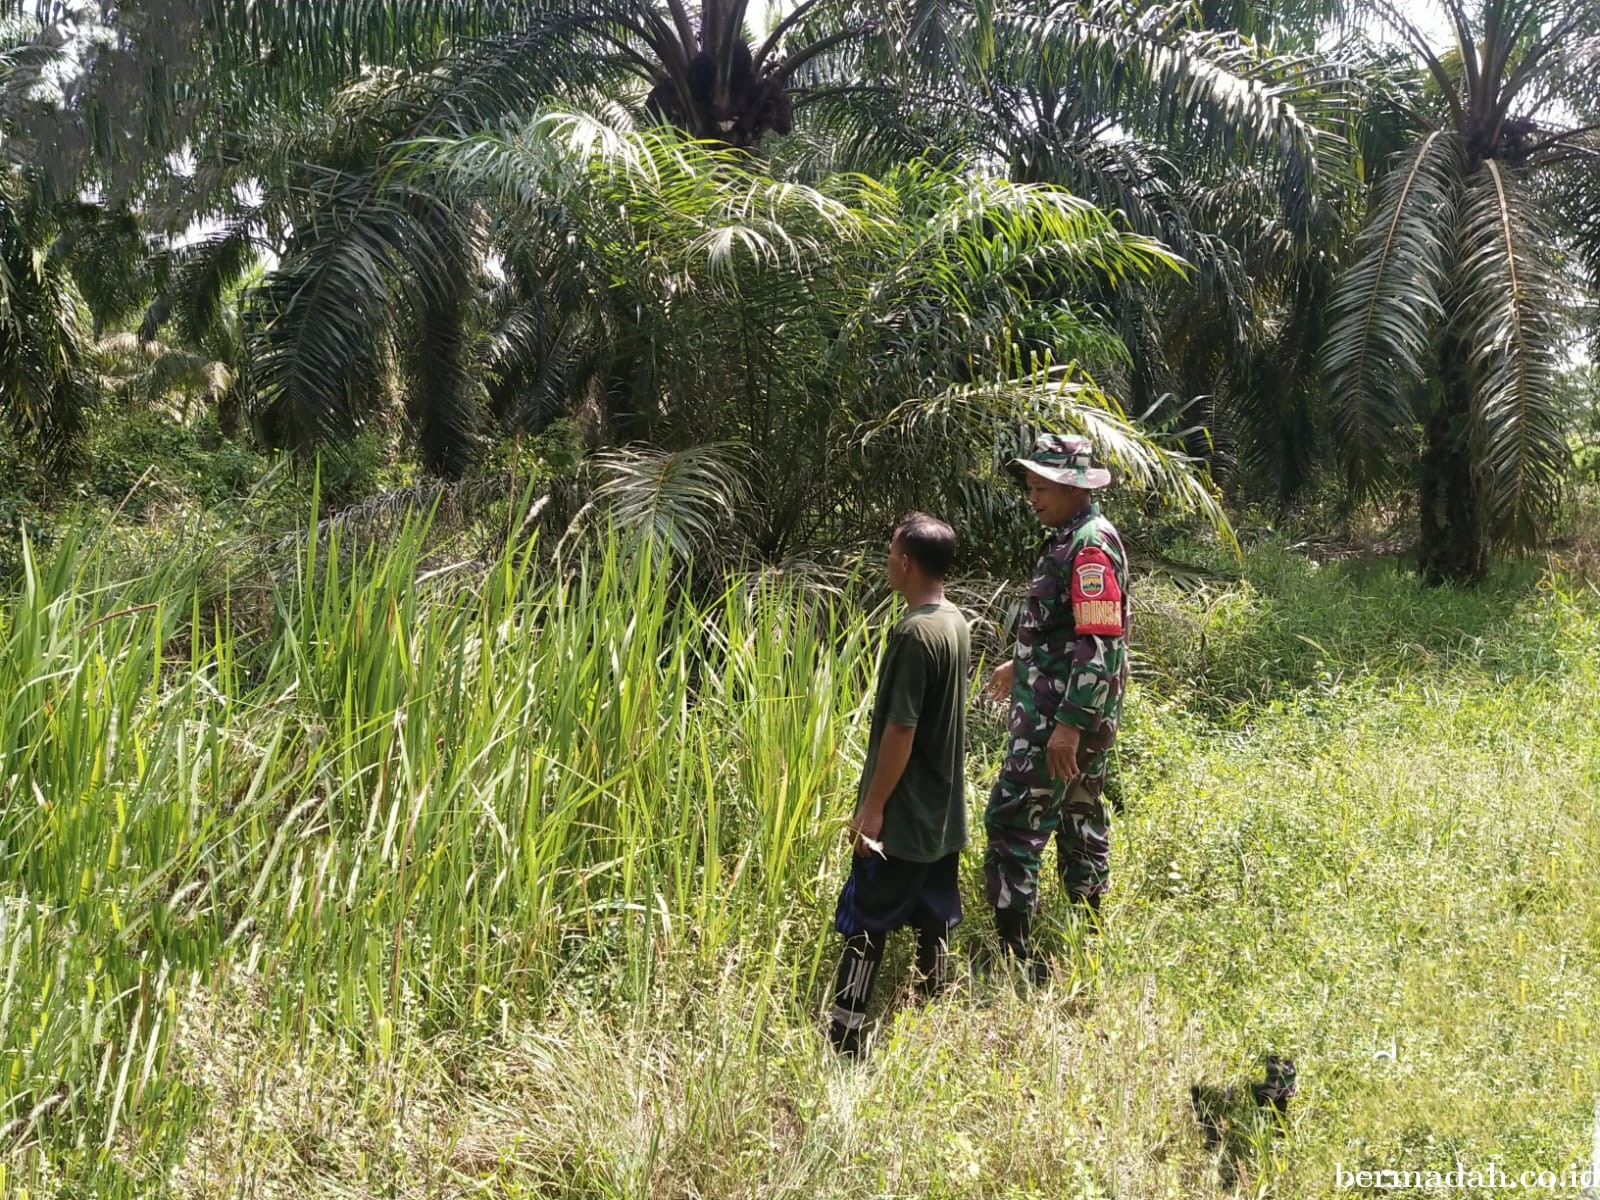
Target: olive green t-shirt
922,682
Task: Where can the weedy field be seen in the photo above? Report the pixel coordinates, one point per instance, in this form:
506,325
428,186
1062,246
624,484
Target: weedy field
376,874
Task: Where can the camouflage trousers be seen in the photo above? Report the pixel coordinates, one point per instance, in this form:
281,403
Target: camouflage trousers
1025,808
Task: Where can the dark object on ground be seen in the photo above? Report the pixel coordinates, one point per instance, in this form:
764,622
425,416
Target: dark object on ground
1227,1123
1086,907
846,1043
1020,953
1279,1086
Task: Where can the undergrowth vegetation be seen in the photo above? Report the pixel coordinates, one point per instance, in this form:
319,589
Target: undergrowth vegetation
374,868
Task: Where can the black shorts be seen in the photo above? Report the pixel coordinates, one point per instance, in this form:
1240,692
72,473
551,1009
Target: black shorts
883,894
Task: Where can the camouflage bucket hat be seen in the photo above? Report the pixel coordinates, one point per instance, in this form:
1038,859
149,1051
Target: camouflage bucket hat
1063,459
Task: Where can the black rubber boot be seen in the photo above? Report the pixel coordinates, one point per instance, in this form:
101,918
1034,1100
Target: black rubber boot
858,971
933,962
1085,908
1015,945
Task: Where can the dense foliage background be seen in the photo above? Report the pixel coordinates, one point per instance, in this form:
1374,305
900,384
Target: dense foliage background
795,270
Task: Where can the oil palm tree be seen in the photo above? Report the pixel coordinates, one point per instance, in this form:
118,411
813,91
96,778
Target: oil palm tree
846,345
197,298
1241,179
1447,329
46,344
1229,151
245,81
149,76
371,251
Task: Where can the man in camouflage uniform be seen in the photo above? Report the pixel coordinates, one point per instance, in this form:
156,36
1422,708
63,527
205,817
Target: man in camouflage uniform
1065,686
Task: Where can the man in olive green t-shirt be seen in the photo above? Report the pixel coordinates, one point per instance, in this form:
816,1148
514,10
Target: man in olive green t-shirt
911,814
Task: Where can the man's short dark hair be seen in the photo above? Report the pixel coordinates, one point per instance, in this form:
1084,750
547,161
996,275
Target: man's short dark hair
928,541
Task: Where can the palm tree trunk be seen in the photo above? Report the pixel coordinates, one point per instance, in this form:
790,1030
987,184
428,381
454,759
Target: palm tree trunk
1451,546
230,413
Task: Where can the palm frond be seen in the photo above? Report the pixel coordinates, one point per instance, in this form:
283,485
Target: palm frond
444,401
732,217
1509,307
110,256
538,360
1149,67
1387,307
337,38
872,127
148,374
317,330
46,379
199,278
318,325
1060,399
683,501
973,251
173,73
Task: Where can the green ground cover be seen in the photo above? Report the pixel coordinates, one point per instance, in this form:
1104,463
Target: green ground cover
374,872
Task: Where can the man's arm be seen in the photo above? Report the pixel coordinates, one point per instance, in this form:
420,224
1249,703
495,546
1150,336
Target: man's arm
1097,615
1002,680
894,752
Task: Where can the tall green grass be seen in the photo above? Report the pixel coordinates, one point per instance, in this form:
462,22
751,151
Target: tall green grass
421,794
377,872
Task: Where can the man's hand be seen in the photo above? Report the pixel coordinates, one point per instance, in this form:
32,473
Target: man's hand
1000,683
1061,752
867,827
893,754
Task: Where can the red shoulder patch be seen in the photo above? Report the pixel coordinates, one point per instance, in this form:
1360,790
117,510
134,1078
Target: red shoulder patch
1096,596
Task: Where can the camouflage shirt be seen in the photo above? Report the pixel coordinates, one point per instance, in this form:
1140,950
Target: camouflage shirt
1072,637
